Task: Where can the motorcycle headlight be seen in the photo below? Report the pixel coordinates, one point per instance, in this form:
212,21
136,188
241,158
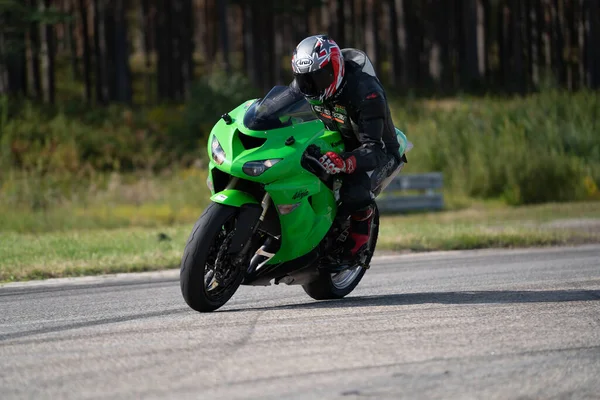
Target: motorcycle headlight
256,168
218,154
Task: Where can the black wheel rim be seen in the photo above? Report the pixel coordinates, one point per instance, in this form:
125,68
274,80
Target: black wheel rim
220,271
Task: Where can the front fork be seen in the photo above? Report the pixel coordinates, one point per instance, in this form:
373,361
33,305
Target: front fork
249,219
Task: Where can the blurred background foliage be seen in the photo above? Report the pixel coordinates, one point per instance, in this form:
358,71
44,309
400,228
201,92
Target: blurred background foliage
105,105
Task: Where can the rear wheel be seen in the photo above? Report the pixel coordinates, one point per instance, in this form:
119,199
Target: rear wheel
340,284
208,276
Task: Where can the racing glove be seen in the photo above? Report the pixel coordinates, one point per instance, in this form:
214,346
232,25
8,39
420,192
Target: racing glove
334,163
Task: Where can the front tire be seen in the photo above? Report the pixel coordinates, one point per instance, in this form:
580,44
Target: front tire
204,252
338,285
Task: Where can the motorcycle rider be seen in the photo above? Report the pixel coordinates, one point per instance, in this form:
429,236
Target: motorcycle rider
345,93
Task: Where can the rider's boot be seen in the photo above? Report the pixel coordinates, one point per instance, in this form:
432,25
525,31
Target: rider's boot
360,228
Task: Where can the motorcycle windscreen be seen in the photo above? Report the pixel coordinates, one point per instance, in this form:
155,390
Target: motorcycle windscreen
281,107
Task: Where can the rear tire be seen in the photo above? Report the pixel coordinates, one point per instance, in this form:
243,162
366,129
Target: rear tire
333,286
208,236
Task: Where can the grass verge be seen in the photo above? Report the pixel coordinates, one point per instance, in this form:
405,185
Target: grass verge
26,256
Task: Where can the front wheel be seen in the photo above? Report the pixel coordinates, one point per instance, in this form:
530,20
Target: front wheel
208,276
337,285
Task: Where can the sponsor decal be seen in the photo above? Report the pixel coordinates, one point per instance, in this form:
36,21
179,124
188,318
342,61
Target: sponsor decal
373,95
220,197
340,109
326,113
300,194
304,62
339,117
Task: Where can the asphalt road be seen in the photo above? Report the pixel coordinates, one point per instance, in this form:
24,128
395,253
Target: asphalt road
468,325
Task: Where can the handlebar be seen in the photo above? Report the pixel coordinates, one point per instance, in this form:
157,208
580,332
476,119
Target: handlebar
311,159
316,163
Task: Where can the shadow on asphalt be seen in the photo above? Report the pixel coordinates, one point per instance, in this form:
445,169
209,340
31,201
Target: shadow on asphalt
87,324
467,297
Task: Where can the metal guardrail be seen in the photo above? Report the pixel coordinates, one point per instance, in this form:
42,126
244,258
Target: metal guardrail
391,200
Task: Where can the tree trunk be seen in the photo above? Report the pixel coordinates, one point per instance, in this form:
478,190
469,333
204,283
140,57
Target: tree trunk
581,15
518,71
481,39
354,20
341,18
359,23
455,43
548,38
278,50
16,66
100,53
147,25
175,55
33,58
370,32
442,37
261,45
249,46
122,80
593,38
224,33
538,56
558,62
212,40
109,40
47,41
488,39
571,39
411,61
70,38
163,34
504,23
394,47
327,15
527,38
469,63
87,78
4,89
188,48
268,33
575,44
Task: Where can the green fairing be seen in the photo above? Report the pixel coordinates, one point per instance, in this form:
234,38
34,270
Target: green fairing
287,182
303,228
311,132
232,197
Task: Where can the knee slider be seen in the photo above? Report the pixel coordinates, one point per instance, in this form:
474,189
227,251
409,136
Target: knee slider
364,213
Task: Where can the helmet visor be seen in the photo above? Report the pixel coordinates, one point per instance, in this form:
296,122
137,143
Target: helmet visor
316,82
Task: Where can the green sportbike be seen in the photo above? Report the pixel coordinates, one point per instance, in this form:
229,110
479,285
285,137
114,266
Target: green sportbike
273,212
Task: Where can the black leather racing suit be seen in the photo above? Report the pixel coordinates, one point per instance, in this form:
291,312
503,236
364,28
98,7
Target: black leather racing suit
359,111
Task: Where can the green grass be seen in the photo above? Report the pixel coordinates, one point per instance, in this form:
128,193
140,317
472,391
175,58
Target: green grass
79,253
540,148
89,252
108,201
482,226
